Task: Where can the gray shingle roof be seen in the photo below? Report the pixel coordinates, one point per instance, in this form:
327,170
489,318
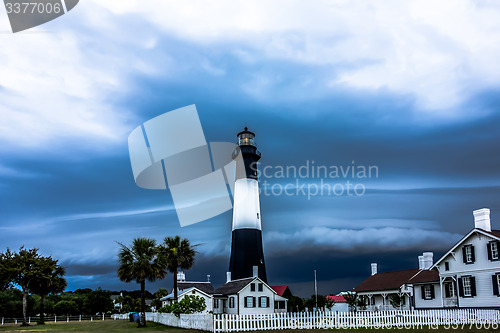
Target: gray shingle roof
233,287
203,286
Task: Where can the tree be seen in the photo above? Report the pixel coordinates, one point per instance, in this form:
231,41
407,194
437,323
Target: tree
351,298
396,301
24,268
49,281
295,304
140,262
157,297
179,253
329,303
65,307
362,302
99,301
5,270
188,304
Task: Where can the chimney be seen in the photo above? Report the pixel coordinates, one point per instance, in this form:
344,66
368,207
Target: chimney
421,262
255,271
482,219
428,259
208,277
228,277
181,276
374,268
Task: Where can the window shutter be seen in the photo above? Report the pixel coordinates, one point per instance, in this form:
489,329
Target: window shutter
432,291
460,287
422,288
253,305
246,300
464,257
495,284
488,246
473,255
446,291
473,285
267,302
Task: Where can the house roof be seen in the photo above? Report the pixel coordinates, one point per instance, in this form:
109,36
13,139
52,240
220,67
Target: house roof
493,233
234,286
394,280
337,299
203,286
182,292
280,290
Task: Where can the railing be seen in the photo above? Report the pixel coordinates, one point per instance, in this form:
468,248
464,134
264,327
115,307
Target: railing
56,319
204,322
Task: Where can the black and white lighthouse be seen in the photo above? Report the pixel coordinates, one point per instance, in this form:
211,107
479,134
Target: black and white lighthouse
247,254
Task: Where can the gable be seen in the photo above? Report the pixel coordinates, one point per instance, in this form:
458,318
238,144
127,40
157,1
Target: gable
491,235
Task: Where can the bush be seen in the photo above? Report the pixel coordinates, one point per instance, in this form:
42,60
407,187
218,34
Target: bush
189,304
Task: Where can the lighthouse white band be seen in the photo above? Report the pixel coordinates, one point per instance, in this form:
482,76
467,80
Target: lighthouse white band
246,212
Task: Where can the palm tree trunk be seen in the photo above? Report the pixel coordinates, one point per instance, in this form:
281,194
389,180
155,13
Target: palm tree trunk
175,283
42,310
25,305
142,320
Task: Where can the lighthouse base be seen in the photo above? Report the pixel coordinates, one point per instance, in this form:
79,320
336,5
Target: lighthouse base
246,252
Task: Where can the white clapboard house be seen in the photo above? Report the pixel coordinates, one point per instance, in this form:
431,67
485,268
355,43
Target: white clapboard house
379,288
247,296
467,276
469,273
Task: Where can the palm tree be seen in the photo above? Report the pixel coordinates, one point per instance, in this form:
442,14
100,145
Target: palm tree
50,280
140,262
179,253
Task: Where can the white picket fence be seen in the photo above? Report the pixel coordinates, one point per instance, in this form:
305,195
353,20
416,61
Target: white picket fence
365,319
338,320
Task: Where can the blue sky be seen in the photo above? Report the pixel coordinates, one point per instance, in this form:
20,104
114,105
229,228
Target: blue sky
411,87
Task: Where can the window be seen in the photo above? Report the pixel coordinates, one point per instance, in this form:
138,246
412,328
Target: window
257,216
467,286
446,266
372,300
427,292
252,287
216,303
249,302
231,302
493,254
449,290
263,302
496,284
261,287
468,254
224,303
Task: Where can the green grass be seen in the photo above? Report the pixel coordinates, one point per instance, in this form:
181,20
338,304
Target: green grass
92,326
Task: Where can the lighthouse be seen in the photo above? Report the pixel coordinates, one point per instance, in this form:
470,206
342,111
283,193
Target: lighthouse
247,254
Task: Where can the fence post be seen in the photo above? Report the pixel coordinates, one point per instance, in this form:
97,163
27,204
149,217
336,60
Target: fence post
67,318
91,318
103,316
80,318
55,319
2,321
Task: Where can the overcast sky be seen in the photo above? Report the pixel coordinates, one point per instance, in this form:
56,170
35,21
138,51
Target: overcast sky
411,87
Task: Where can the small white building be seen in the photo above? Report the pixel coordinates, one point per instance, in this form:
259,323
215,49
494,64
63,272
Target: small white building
247,296
167,300
469,273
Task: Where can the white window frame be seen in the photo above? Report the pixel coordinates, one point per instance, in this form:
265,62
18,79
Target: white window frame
263,298
494,250
427,291
468,254
249,301
467,285
231,302
498,280
216,303
451,289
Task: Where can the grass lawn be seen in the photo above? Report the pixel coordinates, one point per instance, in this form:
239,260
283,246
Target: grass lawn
92,326
125,325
